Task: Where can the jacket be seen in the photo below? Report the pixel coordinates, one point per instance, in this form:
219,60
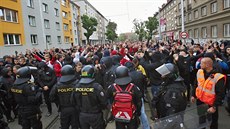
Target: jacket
205,90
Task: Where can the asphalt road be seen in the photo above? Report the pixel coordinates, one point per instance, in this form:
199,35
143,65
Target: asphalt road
224,119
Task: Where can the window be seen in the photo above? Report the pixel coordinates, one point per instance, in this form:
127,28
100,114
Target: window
75,32
204,32
204,11
190,16
45,8
196,14
57,25
66,39
64,14
65,27
8,15
48,39
30,3
47,24
56,12
227,30
11,39
32,21
179,21
190,33
34,39
59,39
214,31
196,33
63,2
214,7
226,4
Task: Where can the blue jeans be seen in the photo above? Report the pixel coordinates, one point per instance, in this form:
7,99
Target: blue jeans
143,117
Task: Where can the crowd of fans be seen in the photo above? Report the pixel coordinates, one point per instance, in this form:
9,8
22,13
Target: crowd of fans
145,57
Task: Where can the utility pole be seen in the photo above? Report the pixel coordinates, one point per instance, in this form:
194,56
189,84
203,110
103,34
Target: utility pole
182,15
159,17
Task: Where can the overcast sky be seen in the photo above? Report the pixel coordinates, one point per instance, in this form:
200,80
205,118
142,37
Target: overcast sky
123,12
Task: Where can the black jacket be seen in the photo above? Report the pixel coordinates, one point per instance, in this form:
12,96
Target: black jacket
46,77
90,98
138,79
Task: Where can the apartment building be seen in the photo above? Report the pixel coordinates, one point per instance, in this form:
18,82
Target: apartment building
11,27
168,22
87,9
206,19
76,22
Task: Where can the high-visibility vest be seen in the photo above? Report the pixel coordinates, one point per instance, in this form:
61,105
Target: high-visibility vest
205,90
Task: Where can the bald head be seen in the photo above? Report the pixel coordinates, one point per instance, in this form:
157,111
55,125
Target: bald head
206,63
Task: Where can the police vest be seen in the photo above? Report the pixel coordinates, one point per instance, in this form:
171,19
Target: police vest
205,90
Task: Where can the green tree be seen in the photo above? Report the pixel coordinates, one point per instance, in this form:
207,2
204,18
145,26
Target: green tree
111,31
151,24
89,24
139,28
122,37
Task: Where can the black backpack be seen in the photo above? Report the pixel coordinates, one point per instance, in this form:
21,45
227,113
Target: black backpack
174,98
109,77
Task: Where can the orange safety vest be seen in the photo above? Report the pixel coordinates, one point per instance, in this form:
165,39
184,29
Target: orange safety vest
205,90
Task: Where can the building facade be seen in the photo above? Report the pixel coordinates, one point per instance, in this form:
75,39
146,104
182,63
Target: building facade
203,20
87,9
11,26
206,19
40,24
168,22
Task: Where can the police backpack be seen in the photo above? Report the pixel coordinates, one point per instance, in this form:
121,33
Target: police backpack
175,99
123,107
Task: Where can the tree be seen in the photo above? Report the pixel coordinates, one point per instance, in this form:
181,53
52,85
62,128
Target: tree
111,31
139,28
122,37
151,24
89,24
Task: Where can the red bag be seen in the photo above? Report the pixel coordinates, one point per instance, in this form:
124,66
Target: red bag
123,107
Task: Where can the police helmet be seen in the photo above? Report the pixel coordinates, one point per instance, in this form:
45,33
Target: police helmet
168,70
42,64
67,73
87,74
107,61
23,75
122,76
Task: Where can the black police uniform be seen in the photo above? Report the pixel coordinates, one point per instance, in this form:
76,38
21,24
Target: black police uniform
61,92
123,80
171,97
46,77
7,82
90,98
28,96
3,124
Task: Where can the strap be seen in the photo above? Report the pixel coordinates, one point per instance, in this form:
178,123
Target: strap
129,87
118,88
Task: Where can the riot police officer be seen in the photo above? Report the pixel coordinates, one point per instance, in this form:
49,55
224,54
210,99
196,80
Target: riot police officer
90,98
171,97
61,92
28,97
123,82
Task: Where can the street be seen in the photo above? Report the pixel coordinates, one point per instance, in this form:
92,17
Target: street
53,122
